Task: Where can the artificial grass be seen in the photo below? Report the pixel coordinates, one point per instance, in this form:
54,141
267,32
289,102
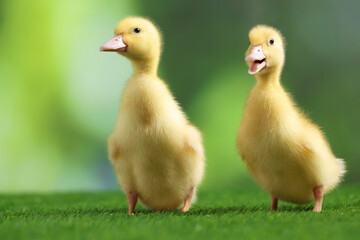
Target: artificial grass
240,213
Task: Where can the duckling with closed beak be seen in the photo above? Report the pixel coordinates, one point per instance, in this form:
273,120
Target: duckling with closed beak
157,154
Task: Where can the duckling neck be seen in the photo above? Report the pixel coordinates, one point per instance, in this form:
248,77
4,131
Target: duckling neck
146,66
272,78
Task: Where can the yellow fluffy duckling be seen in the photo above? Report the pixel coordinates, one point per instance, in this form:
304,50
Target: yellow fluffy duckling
157,154
286,153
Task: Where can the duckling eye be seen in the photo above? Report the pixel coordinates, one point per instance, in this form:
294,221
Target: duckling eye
136,30
271,41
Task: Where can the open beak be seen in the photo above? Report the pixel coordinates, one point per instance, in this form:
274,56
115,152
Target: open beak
257,59
116,44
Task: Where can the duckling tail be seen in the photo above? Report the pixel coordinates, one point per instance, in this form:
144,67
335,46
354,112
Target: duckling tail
342,166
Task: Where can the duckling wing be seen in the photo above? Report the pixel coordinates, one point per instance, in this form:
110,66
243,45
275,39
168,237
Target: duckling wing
113,148
194,141
194,155
319,162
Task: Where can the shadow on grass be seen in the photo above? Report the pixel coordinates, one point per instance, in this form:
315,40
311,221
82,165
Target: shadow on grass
238,210
140,211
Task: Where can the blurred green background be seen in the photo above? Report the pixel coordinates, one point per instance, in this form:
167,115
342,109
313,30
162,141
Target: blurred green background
59,95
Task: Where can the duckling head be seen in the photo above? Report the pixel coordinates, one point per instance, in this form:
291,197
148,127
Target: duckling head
266,52
135,38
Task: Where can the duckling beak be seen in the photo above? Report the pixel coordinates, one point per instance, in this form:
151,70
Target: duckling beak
258,59
116,44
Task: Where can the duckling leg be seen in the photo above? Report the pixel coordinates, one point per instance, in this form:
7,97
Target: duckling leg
187,200
274,203
319,195
132,199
